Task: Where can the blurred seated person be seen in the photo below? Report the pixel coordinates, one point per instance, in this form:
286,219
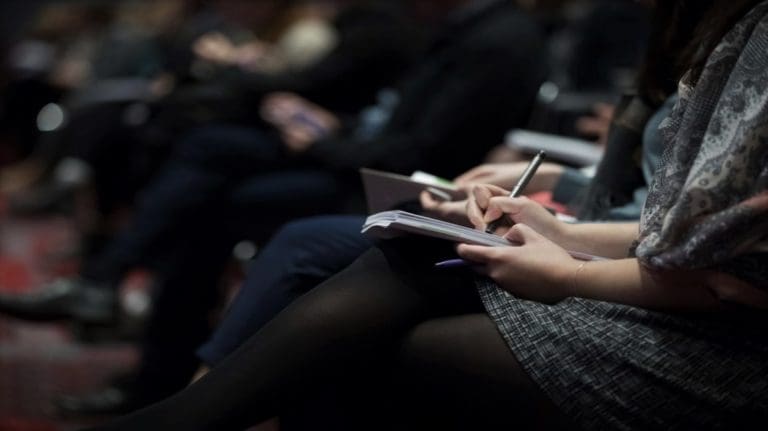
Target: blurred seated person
672,321
49,60
125,59
306,252
111,150
308,36
226,183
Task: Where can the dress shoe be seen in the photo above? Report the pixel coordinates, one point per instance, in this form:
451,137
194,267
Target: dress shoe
65,299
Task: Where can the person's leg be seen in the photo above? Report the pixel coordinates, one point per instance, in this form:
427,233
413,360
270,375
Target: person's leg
356,315
261,204
300,256
207,163
187,291
471,379
184,293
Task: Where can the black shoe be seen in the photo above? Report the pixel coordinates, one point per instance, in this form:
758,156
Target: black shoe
73,299
109,401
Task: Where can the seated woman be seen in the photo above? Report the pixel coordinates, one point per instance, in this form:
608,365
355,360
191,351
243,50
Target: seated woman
669,336
306,252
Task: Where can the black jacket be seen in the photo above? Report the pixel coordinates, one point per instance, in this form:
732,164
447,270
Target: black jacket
477,80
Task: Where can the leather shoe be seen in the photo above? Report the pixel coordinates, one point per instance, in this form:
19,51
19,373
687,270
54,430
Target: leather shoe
72,298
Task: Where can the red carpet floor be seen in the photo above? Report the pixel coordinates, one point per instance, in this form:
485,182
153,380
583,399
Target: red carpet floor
39,361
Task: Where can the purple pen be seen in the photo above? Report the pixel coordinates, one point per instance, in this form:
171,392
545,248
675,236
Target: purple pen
453,263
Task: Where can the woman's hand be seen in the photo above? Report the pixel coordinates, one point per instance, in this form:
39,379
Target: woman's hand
488,203
537,269
507,175
300,122
216,48
452,211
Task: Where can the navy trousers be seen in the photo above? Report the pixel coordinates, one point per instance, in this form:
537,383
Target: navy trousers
301,255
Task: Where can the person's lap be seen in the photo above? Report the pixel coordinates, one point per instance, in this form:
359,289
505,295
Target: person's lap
358,315
471,380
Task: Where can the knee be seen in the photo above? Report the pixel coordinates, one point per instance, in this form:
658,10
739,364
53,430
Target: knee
451,344
298,231
415,349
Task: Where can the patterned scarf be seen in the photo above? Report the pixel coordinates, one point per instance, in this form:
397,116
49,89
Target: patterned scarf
708,204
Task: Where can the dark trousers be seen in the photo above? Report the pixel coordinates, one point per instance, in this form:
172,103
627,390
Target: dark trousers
214,170
222,185
300,256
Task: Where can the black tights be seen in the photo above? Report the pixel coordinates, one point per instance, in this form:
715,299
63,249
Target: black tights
383,310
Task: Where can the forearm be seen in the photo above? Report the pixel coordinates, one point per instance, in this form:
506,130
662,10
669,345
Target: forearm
610,240
626,281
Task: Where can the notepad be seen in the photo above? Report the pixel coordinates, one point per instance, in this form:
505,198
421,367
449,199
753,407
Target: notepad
385,191
390,224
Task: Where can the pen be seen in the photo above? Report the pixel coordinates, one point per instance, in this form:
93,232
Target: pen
452,263
530,170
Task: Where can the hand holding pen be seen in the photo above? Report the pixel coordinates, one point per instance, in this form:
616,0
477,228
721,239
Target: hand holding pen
489,203
534,228
525,178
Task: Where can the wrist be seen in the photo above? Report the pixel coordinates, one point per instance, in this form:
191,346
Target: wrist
569,279
563,234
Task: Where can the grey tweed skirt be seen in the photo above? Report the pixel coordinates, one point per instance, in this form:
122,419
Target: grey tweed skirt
610,366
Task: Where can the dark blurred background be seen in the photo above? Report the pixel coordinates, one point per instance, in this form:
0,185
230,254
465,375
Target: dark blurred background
93,91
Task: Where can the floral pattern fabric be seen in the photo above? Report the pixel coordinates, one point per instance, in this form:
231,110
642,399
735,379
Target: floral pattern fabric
708,204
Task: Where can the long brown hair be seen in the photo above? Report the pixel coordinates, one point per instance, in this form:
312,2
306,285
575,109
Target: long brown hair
684,33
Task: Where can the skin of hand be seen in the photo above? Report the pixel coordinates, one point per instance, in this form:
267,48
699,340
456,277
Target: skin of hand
504,154
249,56
216,48
452,211
536,269
300,122
507,174
298,138
488,202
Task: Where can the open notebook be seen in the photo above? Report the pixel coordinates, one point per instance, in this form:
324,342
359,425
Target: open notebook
389,224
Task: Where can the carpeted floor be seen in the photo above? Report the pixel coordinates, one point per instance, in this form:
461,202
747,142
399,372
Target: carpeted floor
39,361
